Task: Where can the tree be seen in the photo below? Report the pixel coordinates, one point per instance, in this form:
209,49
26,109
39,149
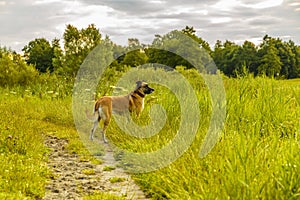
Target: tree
227,57
134,43
135,58
191,32
270,63
288,56
271,58
248,56
57,59
135,55
174,48
294,69
156,54
78,44
39,53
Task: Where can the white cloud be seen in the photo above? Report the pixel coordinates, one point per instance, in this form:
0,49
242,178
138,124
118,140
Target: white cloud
220,20
157,2
254,40
46,1
226,5
2,3
264,4
294,4
235,20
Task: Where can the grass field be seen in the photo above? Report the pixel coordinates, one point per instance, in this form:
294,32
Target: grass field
257,156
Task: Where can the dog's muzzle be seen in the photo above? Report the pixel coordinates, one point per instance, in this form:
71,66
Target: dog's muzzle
149,90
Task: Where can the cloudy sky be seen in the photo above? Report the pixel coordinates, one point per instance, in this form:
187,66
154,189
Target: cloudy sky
237,20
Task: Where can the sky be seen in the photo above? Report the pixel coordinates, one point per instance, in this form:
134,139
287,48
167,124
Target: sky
22,21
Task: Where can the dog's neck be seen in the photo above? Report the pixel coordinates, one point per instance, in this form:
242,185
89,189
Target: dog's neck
139,93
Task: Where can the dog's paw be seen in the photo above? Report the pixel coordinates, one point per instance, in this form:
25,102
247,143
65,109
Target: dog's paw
105,140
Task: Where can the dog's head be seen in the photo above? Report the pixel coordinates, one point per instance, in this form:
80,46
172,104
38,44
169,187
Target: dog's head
143,88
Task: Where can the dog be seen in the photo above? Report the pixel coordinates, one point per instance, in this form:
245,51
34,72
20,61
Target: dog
108,105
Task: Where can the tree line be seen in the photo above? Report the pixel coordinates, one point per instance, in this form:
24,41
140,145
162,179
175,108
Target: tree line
273,57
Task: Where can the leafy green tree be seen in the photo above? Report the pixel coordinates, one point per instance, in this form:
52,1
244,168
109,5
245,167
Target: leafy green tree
218,54
272,58
78,44
177,47
135,55
288,56
227,57
248,56
294,69
270,63
57,59
233,62
191,32
279,58
135,58
39,53
134,43
157,55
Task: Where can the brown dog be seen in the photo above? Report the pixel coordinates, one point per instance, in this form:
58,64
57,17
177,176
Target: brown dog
107,105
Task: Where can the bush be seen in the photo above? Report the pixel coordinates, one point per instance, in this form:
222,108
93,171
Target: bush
14,71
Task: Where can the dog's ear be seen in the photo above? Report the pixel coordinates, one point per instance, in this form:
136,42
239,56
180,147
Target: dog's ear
139,84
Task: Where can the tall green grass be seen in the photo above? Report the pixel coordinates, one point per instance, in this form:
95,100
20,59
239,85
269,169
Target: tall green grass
25,122
22,153
257,156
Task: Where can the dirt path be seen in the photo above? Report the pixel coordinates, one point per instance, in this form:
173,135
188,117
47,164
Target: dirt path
74,178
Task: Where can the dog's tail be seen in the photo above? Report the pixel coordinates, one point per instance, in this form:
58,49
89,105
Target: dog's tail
92,117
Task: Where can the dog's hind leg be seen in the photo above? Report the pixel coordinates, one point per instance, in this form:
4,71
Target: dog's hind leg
96,122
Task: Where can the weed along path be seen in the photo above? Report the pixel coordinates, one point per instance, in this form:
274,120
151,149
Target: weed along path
76,178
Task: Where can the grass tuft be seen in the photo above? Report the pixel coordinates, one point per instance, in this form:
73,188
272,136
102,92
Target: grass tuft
108,168
116,179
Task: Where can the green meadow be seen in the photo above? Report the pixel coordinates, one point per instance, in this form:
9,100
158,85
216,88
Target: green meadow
256,157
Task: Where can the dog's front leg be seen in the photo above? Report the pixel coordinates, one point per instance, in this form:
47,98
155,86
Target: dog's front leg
106,122
104,137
